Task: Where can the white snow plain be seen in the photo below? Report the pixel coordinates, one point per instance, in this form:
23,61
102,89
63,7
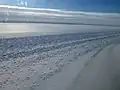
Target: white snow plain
48,62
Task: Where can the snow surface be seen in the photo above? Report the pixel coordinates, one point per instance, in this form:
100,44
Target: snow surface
102,73
48,62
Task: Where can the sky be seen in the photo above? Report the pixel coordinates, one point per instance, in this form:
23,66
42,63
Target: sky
79,5
96,15
80,21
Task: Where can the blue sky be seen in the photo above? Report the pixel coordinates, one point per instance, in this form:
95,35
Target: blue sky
80,5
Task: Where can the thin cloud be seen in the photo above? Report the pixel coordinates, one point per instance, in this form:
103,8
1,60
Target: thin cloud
57,16
55,21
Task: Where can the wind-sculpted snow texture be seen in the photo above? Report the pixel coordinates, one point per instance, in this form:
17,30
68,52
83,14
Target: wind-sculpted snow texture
26,60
